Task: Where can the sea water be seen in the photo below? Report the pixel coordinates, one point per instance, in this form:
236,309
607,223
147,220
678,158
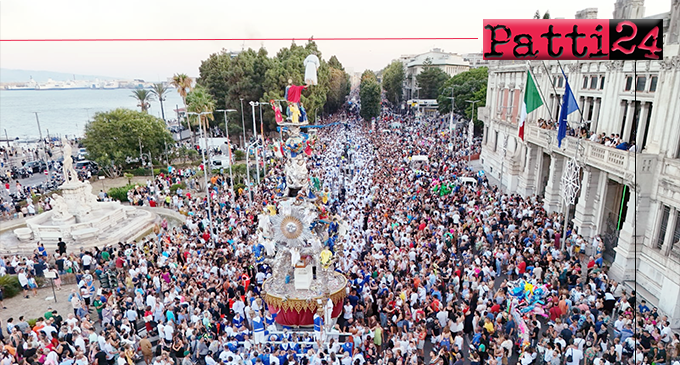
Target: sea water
66,112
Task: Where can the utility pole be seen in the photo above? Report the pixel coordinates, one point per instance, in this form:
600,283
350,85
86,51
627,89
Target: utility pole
257,157
264,159
471,129
205,174
243,124
226,128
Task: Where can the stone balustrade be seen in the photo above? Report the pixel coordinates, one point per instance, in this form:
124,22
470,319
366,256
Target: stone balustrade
611,160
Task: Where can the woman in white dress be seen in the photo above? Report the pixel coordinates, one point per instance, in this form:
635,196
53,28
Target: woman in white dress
311,65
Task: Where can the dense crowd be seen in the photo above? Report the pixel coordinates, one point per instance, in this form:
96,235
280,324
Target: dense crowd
431,273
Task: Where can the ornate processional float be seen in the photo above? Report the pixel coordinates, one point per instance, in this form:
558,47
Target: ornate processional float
298,240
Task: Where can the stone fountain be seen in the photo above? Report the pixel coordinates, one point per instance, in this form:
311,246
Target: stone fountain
78,217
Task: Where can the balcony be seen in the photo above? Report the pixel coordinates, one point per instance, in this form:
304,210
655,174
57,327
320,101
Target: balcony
611,160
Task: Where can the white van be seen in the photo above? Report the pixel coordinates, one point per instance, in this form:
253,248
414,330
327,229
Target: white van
218,162
471,181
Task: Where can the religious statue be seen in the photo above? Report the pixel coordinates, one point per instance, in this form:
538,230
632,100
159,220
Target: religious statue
296,173
70,173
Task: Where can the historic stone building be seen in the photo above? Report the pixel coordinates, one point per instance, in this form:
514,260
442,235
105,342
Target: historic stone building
630,198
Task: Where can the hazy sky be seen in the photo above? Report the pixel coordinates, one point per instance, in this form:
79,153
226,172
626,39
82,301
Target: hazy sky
248,19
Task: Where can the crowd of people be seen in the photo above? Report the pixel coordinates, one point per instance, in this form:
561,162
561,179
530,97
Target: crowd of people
431,272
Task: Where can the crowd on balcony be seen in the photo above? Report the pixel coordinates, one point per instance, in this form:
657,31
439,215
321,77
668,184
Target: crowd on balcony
434,267
613,140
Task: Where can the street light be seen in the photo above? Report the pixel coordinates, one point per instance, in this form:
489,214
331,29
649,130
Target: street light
471,129
257,157
226,128
264,160
250,198
452,104
243,123
205,172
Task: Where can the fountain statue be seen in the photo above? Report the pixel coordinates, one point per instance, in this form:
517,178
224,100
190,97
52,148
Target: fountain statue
78,216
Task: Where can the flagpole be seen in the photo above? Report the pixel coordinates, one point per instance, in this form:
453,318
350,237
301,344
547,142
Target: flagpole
559,101
565,80
540,92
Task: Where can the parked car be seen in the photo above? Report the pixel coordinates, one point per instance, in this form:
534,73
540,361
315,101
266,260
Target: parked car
36,166
87,165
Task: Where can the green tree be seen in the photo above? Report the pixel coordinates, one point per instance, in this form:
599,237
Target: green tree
338,88
183,84
111,137
537,15
143,97
468,85
392,82
369,95
160,90
546,15
430,81
368,74
333,62
199,100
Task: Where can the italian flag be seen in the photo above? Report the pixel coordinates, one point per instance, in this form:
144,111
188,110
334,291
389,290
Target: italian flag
532,100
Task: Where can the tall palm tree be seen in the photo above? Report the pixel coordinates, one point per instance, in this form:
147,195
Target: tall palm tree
199,100
143,97
183,84
160,90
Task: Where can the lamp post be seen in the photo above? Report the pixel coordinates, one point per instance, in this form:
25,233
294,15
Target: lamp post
250,198
243,123
257,157
264,157
205,173
471,130
452,105
226,128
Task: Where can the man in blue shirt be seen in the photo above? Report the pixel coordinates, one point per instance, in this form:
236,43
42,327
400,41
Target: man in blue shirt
643,308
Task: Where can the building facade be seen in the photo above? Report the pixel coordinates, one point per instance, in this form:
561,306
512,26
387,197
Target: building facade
631,198
451,63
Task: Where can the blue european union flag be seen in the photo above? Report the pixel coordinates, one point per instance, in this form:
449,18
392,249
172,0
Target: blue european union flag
569,106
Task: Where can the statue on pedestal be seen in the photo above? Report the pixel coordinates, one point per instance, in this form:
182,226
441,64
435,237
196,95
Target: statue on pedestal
70,173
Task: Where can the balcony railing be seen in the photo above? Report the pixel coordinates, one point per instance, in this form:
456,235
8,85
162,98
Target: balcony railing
613,161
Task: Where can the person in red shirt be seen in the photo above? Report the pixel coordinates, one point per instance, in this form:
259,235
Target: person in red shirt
496,308
522,267
555,312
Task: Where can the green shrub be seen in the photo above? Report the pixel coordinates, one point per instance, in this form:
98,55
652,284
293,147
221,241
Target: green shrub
10,285
140,171
120,193
239,155
174,187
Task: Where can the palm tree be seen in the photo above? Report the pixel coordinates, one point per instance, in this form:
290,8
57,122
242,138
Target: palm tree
199,100
183,84
143,97
160,90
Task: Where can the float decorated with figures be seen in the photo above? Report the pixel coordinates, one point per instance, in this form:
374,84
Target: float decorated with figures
297,236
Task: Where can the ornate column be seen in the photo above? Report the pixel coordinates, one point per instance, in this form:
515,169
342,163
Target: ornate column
630,242
596,114
552,201
642,124
630,114
528,179
585,213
